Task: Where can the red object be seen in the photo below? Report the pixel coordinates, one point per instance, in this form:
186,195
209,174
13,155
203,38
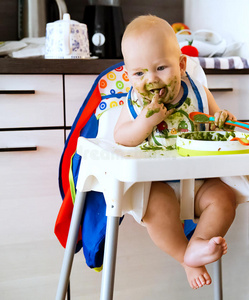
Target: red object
190,50
161,126
180,26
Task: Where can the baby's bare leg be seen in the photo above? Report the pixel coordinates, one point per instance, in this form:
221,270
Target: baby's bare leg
215,204
162,220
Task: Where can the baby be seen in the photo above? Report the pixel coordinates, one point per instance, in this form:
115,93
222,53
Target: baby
158,104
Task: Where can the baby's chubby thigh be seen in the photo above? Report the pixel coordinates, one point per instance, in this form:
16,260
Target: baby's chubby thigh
162,220
165,198
214,192
163,203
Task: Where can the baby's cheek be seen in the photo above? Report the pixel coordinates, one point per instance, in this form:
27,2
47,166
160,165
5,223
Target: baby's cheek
142,91
139,87
173,90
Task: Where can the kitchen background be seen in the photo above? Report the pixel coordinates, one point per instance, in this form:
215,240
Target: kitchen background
31,256
170,10
197,15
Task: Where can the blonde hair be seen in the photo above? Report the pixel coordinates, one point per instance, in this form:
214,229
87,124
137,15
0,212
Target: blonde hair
145,23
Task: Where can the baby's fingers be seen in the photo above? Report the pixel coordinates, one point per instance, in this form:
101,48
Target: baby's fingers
158,94
169,112
231,117
155,98
220,118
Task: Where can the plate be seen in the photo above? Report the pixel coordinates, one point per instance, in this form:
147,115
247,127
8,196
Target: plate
210,143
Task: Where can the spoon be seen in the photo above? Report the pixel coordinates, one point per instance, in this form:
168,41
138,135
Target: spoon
243,141
199,117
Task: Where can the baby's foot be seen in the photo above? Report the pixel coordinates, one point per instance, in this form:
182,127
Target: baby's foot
197,277
201,252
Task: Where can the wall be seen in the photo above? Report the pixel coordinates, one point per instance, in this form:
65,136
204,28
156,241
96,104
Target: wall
227,17
171,10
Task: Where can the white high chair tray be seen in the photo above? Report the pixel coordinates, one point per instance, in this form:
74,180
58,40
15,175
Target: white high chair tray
131,164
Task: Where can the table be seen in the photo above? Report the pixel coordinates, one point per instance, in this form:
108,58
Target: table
108,167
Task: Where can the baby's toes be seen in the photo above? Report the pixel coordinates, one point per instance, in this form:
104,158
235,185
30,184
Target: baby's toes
202,280
207,278
194,284
199,282
224,248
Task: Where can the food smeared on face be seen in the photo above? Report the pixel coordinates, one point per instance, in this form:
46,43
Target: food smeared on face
166,91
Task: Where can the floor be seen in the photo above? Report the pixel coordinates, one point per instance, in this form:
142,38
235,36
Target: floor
143,272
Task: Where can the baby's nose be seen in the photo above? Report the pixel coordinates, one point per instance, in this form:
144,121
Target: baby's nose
152,77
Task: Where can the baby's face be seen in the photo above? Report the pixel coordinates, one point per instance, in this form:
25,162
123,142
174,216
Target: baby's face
153,66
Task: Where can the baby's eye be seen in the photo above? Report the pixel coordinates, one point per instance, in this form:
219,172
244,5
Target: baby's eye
161,68
139,73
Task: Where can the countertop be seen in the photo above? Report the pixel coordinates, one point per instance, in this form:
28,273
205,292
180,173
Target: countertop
74,66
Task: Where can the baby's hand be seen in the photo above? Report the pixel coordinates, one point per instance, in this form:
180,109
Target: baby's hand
156,112
221,117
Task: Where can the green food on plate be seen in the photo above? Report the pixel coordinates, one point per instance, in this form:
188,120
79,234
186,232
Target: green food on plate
207,135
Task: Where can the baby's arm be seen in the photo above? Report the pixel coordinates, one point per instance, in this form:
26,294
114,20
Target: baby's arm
130,132
220,115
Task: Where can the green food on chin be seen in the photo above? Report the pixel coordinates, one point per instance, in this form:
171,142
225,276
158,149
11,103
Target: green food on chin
151,112
145,102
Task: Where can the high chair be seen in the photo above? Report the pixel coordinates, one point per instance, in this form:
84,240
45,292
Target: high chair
96,170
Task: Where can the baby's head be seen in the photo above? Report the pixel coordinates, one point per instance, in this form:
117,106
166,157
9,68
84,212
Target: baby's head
145,26
153,58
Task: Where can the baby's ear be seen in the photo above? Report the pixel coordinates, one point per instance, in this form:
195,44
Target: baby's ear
183,64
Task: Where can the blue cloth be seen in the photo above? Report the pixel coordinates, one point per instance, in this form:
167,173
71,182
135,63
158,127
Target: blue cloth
189,228
93,229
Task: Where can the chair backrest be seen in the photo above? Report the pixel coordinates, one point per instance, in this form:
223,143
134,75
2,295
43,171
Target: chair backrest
113,88
108,90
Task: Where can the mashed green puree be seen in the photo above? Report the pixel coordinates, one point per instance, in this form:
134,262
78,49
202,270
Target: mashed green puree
199,118
151,112
207,135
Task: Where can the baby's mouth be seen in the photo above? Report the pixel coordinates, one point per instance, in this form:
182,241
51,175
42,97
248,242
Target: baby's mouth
161,91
